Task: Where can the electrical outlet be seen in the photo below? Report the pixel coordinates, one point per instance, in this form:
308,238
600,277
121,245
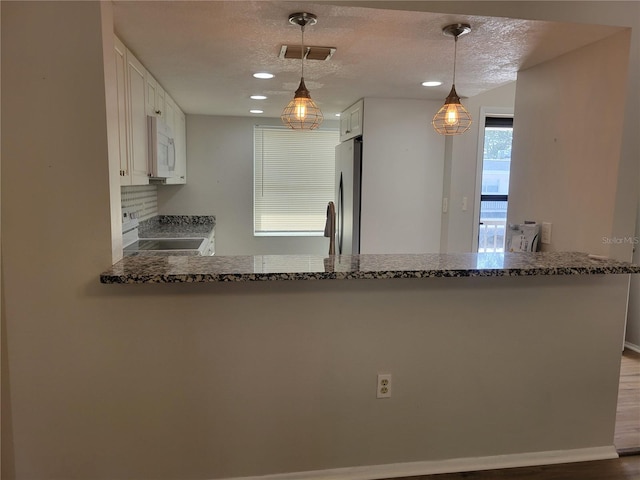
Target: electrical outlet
384,385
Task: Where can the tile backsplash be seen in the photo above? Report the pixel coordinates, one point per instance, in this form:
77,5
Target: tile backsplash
142,200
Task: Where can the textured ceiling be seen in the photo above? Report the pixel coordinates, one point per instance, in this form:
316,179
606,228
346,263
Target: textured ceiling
204,52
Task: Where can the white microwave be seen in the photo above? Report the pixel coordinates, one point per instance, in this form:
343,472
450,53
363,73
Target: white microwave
162,149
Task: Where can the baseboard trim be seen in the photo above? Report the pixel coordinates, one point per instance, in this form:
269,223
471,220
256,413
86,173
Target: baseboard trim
395,470
632,346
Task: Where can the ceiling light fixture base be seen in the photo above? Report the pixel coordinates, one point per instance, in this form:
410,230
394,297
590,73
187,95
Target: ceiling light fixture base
455,29
302,19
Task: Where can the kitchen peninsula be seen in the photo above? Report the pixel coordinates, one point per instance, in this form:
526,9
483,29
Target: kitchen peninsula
478,346
166,269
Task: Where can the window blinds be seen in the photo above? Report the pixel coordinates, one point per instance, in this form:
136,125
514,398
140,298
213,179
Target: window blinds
294,179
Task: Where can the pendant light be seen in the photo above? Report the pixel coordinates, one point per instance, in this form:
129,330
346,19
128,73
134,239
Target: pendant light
453,118
302,113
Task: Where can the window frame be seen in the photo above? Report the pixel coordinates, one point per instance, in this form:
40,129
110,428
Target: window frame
493,112
259,163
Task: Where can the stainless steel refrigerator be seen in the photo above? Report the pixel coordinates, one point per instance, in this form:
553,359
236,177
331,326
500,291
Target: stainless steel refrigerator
348,182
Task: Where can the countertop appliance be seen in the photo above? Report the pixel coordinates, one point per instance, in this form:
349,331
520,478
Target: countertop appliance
523,237
162,149
132,244
348,182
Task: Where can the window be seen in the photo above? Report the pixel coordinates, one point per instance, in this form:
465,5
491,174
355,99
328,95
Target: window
496,164
294,180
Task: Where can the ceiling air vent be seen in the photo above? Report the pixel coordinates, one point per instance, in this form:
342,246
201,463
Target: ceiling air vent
312,53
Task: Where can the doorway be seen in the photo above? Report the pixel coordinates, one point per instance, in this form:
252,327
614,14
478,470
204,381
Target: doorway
495,152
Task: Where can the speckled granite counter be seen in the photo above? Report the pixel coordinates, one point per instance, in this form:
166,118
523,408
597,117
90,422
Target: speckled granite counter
187,269
177,226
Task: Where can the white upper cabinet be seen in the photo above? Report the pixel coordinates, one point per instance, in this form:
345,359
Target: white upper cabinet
132,117
121,80
154,97
174,117
140,95
137,121
169,112
180,133
351,121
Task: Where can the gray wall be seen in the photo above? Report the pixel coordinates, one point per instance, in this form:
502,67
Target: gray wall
124,382
561,162
402,172
220,171
402,182
618,13
461,167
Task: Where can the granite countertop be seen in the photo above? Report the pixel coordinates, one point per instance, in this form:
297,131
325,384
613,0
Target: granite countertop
177,226
189,269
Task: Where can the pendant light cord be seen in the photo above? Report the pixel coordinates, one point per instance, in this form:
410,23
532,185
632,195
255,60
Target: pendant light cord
302,50
455,55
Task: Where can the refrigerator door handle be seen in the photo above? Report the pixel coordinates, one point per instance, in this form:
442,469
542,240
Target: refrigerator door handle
340,215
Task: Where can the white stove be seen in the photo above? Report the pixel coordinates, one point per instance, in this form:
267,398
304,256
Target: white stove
132,244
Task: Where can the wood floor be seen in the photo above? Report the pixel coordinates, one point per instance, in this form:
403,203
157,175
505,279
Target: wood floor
627,436
627,442
623,468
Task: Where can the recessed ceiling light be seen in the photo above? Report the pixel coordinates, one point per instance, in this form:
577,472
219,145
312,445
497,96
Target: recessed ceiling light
256,111
431,84
337,114
258,97
263,75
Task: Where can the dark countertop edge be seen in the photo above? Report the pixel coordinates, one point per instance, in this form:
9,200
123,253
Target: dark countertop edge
389,274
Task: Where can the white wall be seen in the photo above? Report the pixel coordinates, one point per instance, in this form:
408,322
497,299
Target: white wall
617,13
220,169
402,181
462,165
402,171
124,381
566,146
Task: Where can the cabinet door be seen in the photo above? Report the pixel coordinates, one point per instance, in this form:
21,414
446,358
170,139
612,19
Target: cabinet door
160,101
121,81
150,86
344,126
169,113
137,121
355,120
351,121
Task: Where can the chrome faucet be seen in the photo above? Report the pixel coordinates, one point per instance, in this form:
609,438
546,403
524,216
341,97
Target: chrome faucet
330,228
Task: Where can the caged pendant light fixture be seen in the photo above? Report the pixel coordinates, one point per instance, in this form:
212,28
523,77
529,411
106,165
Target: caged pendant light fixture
453,118
302,113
